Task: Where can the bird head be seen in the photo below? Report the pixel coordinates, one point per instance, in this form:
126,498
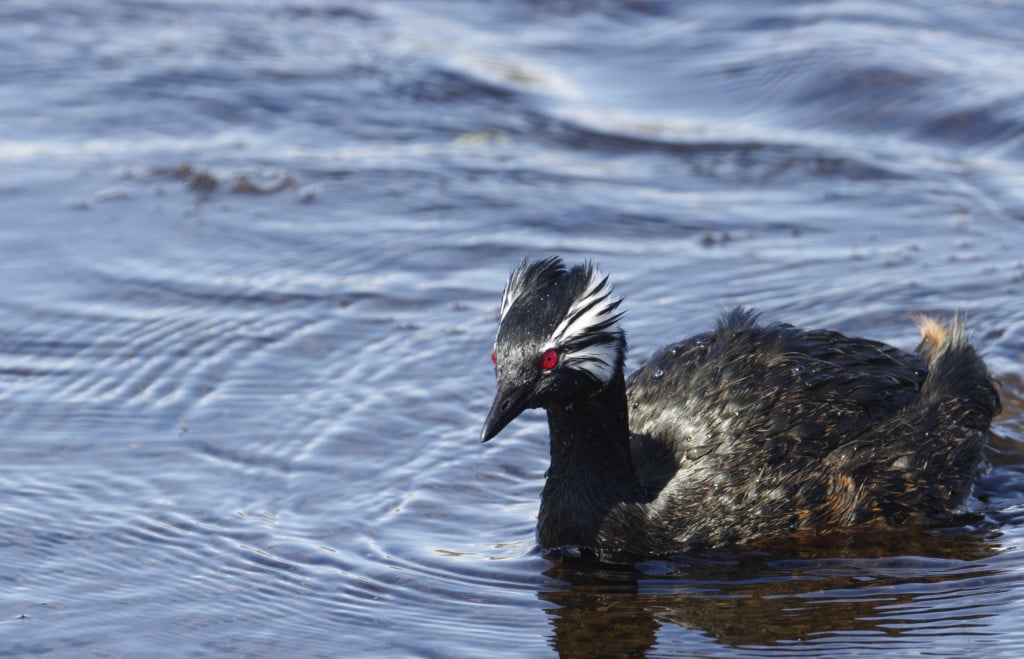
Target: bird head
558,339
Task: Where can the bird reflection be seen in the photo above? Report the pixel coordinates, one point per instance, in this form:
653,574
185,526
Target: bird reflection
760,595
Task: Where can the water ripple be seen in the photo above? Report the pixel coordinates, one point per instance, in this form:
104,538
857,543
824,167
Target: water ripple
252,265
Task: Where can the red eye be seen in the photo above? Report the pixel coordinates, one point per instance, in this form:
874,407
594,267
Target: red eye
549,359
494,357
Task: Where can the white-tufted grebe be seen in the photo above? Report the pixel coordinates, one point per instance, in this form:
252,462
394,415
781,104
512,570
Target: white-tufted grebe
745,432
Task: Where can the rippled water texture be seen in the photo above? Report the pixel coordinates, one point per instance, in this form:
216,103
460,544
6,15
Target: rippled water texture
251,261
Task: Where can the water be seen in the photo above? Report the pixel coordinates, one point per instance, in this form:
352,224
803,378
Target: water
252,257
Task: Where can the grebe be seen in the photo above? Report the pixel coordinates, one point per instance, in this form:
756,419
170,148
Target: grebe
741,433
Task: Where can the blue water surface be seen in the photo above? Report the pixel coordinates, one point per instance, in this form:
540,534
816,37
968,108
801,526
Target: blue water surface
251,256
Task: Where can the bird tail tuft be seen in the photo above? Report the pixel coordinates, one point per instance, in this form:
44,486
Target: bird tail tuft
955,369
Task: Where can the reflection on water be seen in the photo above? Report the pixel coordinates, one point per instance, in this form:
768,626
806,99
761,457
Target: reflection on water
840,588
252,257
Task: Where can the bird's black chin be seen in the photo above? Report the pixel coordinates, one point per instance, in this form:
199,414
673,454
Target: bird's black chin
509,402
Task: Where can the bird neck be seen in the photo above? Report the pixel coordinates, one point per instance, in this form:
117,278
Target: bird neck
591,472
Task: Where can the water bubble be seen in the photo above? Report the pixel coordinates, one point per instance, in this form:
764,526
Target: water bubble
658,374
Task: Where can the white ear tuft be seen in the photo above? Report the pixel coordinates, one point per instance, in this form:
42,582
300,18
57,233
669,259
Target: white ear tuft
589,336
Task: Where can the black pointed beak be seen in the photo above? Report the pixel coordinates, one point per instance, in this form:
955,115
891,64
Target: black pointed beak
509,402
